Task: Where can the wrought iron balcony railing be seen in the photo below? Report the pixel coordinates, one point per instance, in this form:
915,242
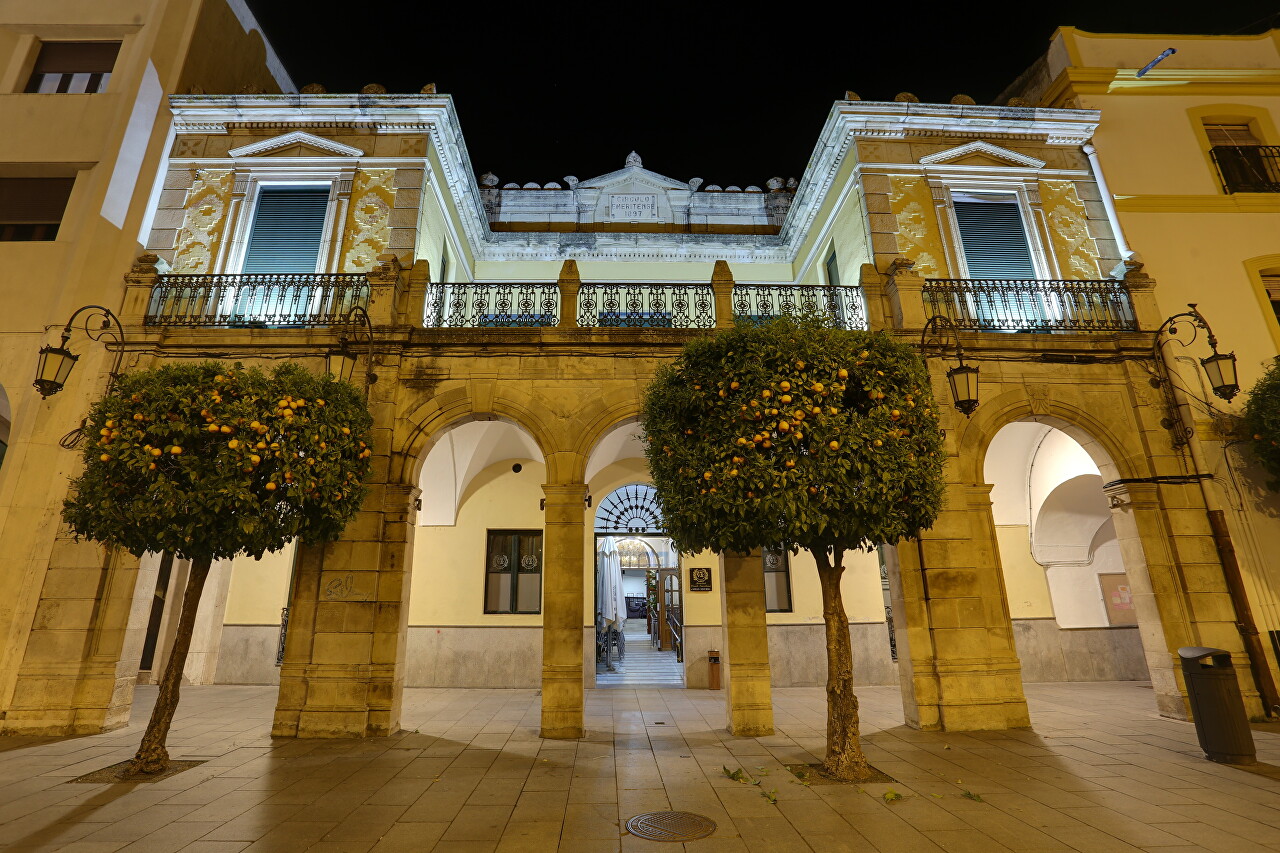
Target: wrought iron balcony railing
1031,305
646,306
762,302
255,300
1248,168
468,305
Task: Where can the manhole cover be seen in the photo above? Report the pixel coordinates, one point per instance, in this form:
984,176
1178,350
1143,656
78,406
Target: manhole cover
670,826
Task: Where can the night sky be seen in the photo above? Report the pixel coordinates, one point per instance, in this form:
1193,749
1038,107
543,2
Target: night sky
733,94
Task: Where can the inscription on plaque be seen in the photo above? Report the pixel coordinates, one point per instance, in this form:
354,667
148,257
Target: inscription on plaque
633,206
699,579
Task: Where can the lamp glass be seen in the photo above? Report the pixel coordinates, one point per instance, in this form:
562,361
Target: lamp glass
341,364
964,387
1220,368
53,369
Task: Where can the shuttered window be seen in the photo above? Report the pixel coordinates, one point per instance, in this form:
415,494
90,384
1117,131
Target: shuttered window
73,67
994,238
288,228
31,208
1230,134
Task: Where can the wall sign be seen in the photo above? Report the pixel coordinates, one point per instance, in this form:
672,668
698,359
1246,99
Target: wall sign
633,206
699,579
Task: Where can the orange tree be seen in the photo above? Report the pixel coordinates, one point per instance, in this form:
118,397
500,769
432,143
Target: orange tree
795,433
1262,422
208,461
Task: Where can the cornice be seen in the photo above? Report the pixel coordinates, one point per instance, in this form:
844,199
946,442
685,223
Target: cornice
297,137
1236,203
1013,158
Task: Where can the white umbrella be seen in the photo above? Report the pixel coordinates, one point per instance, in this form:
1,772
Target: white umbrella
609,582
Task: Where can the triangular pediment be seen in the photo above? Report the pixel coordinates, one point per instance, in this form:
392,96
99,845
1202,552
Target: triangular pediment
981,154
633,179
296,144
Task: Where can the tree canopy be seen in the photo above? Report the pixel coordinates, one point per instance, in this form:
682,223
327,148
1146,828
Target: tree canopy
1262,422
208,460
794,432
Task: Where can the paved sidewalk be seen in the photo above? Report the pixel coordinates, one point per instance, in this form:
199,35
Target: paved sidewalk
1099,773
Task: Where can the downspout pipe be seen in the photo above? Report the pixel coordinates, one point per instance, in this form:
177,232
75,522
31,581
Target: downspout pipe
1108,203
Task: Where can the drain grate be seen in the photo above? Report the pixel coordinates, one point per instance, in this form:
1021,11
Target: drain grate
670,826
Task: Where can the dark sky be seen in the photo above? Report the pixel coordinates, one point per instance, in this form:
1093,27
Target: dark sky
731,93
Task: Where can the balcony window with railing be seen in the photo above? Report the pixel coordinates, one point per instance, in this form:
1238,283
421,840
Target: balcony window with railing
280,300
1248,168
1031,305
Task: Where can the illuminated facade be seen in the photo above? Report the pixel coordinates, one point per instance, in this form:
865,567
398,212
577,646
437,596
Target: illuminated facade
514,327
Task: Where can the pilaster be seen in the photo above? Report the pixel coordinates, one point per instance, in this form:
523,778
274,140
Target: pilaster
569,285
747,691
722,294
904,290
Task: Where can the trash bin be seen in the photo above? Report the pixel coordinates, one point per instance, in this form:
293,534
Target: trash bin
1214,693
713,669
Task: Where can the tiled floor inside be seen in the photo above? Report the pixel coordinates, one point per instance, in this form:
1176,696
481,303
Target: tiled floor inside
1100,772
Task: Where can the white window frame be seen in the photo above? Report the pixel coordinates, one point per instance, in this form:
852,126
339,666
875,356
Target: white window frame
244,207
1027,199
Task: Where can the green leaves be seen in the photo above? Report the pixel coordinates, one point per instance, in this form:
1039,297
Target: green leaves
1262,422
210,460
794,431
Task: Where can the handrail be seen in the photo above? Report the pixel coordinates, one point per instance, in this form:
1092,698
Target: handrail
1031,305
763,302
472,305
255,299
646,306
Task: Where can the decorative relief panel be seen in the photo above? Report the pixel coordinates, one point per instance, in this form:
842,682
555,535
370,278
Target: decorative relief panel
368,227
203,222
919,240
1076,251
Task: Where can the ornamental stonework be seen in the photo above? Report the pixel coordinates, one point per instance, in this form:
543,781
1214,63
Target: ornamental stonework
203,222
919,240
1075,249
368,227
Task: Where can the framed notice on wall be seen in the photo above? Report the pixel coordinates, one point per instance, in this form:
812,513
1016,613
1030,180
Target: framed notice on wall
699,579
1118,598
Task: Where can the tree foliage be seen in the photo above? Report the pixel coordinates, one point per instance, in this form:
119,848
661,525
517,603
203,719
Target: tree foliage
207,461
1262,422
794,432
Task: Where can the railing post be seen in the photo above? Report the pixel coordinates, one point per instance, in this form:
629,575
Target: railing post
722,294
384,288
906,299
873,292
415,294
568,285
1142,296
139,282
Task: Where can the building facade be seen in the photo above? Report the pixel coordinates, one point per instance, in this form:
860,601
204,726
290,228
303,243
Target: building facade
513,329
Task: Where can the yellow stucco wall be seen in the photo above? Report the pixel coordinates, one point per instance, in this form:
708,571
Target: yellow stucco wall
1025,583
259,588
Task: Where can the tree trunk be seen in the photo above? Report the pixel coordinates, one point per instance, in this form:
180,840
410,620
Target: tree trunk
152,756
845,759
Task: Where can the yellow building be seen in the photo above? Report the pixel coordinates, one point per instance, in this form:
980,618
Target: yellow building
83,89
513,329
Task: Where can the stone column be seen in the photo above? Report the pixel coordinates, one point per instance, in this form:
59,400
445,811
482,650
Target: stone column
722,293
747,692
415,297
343,670
959,670
906,301
562,602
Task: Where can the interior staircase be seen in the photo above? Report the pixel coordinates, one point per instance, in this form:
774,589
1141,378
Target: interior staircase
643,666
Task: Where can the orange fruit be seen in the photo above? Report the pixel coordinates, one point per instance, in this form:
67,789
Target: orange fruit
270,487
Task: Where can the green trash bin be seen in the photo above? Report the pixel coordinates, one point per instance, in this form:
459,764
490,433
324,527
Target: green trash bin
1216,704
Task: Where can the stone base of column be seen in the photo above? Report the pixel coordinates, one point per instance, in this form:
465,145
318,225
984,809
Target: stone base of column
750,699
319,701
563,698
969,696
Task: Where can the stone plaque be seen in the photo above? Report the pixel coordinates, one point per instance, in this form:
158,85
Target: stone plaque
633,206
699,579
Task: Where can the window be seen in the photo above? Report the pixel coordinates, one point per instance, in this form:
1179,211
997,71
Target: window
1271,281
73,67
833,270
31,208
288,228
1244,163
513,572
777,580
993,236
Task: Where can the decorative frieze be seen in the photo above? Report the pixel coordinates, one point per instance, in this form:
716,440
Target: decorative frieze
1073,246
911,202
368,227
204,221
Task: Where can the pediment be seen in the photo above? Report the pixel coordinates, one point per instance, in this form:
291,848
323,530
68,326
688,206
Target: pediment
296,144
981,154
633,179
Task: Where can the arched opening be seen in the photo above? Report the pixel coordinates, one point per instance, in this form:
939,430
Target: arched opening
1070,594
637,609
478,560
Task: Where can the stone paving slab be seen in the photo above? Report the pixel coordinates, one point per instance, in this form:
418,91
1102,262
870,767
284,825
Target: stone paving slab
1099,771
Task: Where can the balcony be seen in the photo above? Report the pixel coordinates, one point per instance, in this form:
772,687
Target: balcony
491,305
1248,168
762,302
646,306
255,301
1031,305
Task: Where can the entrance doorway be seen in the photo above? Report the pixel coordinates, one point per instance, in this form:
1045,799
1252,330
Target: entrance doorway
639,615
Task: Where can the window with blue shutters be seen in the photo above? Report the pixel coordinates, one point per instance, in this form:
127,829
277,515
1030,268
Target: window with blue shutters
993,241
285,239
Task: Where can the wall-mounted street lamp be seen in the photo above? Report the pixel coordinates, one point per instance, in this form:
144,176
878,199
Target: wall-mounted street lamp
356,329
962,378
55,363
1219,368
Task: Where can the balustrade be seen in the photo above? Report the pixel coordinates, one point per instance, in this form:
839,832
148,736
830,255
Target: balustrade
492,305
1031,305
256,300
760,303
647,306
